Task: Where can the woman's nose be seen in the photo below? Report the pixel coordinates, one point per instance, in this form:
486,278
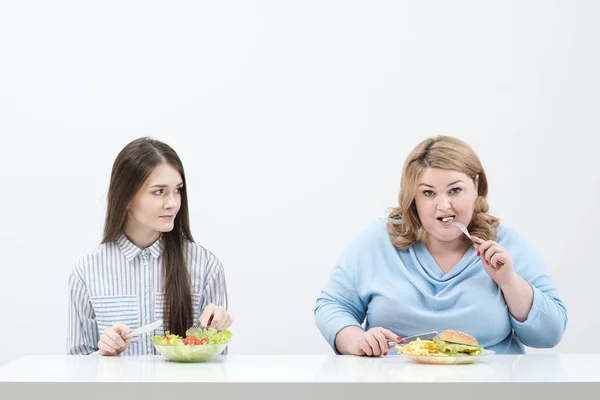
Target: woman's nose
444,203
169,202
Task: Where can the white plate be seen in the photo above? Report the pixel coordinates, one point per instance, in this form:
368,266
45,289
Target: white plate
448,359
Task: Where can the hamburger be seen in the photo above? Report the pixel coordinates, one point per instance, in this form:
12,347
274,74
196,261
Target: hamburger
456,343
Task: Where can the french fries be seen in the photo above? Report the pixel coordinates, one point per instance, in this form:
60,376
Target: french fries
421,348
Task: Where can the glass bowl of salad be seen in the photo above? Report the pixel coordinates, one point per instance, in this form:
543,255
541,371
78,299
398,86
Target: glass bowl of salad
197,346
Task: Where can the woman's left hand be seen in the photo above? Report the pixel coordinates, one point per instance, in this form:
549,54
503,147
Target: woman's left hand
496,260
215,317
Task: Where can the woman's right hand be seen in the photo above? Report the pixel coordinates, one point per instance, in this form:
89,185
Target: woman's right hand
111,342
374,342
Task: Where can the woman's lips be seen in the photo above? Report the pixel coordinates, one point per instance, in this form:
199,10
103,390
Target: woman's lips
445,220
447,223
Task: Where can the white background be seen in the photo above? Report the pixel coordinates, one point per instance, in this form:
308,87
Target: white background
293,120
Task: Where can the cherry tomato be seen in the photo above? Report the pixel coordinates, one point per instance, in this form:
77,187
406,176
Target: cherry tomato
191,340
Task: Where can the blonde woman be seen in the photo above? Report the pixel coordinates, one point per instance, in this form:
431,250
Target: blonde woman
414,273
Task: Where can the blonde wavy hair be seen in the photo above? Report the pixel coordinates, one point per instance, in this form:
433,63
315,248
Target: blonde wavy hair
443,152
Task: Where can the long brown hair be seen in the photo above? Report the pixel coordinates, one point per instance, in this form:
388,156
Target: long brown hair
443,152
131,168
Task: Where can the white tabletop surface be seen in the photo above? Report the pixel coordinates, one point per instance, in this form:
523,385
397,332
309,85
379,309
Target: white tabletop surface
301,368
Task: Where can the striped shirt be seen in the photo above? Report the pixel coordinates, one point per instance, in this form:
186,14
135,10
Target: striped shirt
119,283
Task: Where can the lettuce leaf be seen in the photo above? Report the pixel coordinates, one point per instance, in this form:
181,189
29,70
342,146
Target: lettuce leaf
214,337
168,340
455,349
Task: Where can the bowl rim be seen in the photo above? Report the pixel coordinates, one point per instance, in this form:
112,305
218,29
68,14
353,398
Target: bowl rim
191,345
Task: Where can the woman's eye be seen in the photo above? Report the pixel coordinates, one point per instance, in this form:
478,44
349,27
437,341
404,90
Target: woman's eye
428,193
455,190
159,191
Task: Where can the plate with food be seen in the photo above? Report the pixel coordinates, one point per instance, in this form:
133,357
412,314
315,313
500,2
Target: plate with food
451,347
199,345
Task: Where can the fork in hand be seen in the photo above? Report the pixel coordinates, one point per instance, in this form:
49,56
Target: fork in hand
467,234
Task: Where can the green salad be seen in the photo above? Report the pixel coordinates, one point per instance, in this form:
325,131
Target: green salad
209,336
197,346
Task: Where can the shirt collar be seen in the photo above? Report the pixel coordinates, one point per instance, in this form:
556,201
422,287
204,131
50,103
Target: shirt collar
131,251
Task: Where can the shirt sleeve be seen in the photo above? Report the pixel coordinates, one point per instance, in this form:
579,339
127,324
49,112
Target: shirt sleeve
547,319
339,305
214,290
82,332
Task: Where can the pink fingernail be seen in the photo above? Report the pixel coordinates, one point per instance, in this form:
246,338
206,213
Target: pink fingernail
385,354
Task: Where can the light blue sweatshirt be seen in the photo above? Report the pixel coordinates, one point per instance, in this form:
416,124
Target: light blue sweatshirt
407,293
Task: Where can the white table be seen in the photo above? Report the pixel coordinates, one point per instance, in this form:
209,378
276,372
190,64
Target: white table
304,376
